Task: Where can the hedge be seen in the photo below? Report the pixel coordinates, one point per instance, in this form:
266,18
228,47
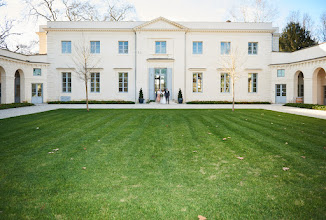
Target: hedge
15,105
92,102
309,106
224,102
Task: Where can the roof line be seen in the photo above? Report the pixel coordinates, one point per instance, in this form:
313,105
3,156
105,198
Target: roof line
27,61
297,61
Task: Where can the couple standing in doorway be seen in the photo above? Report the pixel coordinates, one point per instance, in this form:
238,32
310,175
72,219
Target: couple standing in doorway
163,96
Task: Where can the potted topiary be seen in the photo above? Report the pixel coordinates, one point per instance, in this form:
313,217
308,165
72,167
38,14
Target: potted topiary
141,96
180,99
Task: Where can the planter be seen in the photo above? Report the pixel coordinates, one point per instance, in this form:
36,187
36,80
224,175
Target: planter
180,100
299,100
141,101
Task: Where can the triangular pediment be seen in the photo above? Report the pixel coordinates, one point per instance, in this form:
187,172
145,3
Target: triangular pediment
160,24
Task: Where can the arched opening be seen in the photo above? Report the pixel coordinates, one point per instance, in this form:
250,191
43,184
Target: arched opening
319,95
299,87
2,74
17,87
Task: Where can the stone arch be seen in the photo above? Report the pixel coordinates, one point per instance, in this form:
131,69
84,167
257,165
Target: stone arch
298,86
319,86
19,86
2,87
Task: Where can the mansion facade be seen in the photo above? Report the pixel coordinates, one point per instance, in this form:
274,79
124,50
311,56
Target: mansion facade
163,54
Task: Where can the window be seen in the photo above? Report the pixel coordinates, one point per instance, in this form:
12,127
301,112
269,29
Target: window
197,81
280,73
37,72
225,47
160,47
123,47
197,47
123,82
95,46
301,90
252,82
225,82
66,46
95,82
252,48
66,82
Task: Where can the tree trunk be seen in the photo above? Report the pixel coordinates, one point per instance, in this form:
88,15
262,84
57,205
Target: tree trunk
233,95
86,95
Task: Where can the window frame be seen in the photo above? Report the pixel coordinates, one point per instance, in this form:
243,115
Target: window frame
125,46
252,46
222,47
197,51
158,44
93,82
67,48
96,49
282,71
65,89
251,84
125,75
226,88
197,84
37,69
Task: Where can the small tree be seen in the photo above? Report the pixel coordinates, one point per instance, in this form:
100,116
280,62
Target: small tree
85,62
141,95
179,94
232,65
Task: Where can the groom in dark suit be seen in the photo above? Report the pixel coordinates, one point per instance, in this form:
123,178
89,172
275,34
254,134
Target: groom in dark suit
167,96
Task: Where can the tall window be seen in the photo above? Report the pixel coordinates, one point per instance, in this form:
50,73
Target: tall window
95,46
95,82
225,82
197,47
66,46
225,48
197,82
66,82
123,82
160,47
252,48
252,82
37,72
280,73
123,47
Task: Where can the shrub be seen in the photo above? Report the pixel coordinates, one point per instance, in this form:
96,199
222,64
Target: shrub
308,106
91,102
179,94
141,95
15,105
225,102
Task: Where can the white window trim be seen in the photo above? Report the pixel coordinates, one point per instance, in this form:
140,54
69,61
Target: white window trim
202,82
225,54
277,73
123,47
70,46
94,83
161,47
224,88
252,83
66,87
252,49
90,44
202,48
123,82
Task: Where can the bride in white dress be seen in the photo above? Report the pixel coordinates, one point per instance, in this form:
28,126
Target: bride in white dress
163,99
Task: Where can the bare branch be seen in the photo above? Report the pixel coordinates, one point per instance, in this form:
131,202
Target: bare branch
6,32
43,8
323,27
118,12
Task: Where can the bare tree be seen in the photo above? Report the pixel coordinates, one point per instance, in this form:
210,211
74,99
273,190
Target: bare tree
232,64
118,11
6,32
254,11
84,63
2,3
26,48
80,11
305,21
323,27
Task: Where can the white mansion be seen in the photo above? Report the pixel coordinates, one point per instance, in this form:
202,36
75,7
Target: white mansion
163,54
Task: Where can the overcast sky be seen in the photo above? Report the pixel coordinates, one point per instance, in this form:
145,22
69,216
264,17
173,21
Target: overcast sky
177,10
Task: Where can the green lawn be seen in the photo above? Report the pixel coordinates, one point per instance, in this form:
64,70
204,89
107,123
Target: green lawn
162,164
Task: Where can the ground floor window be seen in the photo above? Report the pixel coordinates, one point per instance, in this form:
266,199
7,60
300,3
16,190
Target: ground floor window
225,82
252,82
66,82
123,82
197,80
95,82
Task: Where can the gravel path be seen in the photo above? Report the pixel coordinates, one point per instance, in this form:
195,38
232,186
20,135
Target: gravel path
7,113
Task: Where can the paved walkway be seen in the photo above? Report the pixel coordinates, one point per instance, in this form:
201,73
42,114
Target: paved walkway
7,113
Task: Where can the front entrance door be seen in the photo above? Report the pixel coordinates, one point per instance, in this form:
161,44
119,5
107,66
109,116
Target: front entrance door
17,87
280,96
37,93
160,80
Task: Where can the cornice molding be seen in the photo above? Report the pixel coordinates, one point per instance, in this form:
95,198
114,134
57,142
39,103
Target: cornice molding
300,62
27,62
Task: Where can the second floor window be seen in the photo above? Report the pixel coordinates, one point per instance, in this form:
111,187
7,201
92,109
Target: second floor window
225,48
225,82
252,48
66,46
252,82
95,47
197,47
37,72
197,80
160,47
95,82
123,47
66,82
280,73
